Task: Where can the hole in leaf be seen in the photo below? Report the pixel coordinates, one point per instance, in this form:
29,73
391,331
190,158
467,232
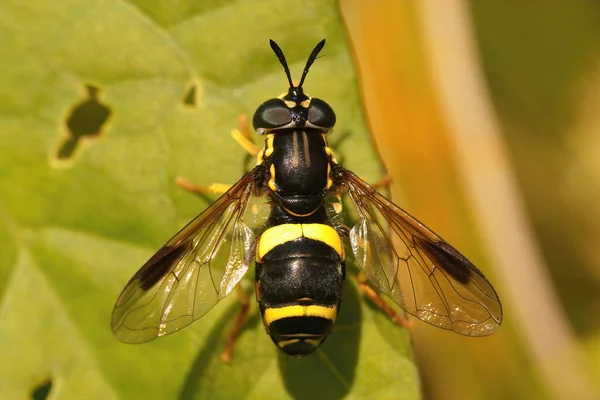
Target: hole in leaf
42,391
190,96
86,120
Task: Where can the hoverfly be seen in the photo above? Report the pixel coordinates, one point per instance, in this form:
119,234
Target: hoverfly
299,251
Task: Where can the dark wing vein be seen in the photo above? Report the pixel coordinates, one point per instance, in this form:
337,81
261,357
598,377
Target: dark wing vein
199,266
415,267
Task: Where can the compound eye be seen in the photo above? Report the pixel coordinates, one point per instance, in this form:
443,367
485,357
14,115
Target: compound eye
321,114
272,113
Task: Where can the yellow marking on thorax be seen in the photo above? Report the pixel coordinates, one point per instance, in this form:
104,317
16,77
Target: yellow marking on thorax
329,180
330,154
328,150
284,233
332,159
260,156
297,215
269,145
274,314
267,150
271,183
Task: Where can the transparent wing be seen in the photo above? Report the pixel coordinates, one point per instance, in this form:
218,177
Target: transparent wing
198,267
416,268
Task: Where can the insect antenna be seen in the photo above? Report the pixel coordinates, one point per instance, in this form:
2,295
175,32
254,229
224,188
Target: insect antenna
279,53
311,60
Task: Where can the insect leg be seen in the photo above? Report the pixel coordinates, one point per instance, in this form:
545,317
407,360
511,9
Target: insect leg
383,183
215,188
371,294
227,354
243,136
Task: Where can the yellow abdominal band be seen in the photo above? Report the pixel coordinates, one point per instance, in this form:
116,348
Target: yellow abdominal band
274,314
280,234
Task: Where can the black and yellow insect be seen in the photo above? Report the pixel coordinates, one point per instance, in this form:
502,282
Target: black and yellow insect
298,249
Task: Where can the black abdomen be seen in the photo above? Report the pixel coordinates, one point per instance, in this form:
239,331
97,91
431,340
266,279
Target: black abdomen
299,284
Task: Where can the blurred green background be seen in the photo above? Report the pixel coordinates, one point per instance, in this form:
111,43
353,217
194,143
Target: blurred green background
484,114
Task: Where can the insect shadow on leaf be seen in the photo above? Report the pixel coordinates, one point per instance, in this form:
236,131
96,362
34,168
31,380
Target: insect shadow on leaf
199,377
331,371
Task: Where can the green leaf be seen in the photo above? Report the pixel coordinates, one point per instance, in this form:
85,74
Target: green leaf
152,91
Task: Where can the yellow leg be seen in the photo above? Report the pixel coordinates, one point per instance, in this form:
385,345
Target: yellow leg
227,354
215,188
369,292
383,182
243,136
244,126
